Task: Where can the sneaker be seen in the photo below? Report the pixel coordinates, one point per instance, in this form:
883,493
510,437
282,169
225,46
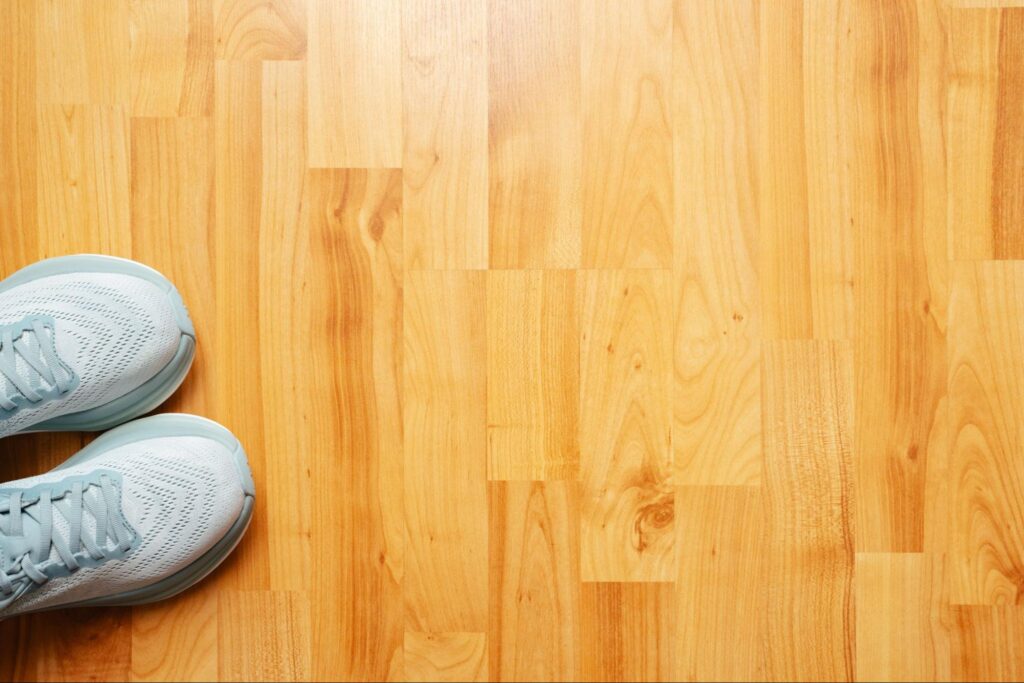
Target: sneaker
141,514
88,342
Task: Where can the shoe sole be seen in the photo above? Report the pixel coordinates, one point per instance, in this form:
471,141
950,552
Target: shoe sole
154,391
171,424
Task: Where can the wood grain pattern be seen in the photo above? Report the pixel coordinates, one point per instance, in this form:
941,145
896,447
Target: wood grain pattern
580,340
985,543
627,630
163,634
355,84
627,512
785,225
254,30
809,505
533,386
716,427
355,238
535,134
626,69
1008,145
717,308
445,657
18,134
971,97
444,164
83,52
444,386
171,58
237,200
534,584
720,590
276,649
83,162
988,643
901,268
900,631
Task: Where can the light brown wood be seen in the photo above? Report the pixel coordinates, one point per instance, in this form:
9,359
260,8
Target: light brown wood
627,511
444,162
355,84
254,30
575,340
626,71
444,390
534,606
171,64
445,657
533,372
535,134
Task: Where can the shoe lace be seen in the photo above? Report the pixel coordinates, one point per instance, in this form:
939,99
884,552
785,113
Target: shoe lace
28,340
70,501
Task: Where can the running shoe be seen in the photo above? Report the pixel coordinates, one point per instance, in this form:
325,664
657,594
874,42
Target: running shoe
87,343
144,512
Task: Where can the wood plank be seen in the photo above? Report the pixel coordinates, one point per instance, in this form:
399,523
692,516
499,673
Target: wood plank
900,605
808,390
444,79
18,135
288,260
535,134
626,71
177,640
353,219
275,646
171,55
1008,155
255,30
534,591
721,594
83,52
716,427
444,390
972,84
785,249
532,375
83,175
900,267
627,511
716,388
627,632
445,657
716,140
985,500
355,84
828,91
236,393
988,646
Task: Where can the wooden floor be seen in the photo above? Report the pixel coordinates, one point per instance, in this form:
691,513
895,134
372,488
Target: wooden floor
570,340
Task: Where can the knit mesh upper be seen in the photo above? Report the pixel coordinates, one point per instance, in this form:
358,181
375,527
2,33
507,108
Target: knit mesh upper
179,494
115,331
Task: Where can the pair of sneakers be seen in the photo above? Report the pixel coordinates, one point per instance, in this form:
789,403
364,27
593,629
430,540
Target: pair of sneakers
147,509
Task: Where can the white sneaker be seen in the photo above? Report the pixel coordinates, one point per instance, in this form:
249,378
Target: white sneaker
88,342
141,514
